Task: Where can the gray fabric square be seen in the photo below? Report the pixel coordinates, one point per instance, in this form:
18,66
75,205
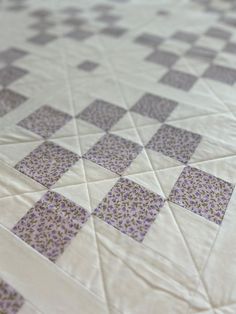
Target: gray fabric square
75,21
12,54
219,33
179,80
185,36
109,18
42,39
147,39
154,106
113,31
88,66
10,100
10,74
80,34
230,48
201,53
164,58
220,73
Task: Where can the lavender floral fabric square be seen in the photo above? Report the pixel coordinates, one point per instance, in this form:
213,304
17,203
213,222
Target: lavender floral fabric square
102,114
113,152
10,74
154,106
202,193
10,300
45,121
47,163
51,224
10,100
130,208
174,142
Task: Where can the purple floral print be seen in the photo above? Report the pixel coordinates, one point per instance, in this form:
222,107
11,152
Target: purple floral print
50,225
130,208
47,163
202,193
10,300
113,152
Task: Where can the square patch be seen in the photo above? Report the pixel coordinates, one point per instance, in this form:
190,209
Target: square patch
130,208
51,224
12,54
113,31
10,74
179,80
220,73
154,106
45,121
164,58
113,153
202,193
102,114
88,66
186,37
42,38
47,163
174,142
10,100
79,34
10,300
149,40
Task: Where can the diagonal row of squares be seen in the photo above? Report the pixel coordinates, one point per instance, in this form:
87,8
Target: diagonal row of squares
54,220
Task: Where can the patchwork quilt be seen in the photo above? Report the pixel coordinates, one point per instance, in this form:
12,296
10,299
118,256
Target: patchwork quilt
117,156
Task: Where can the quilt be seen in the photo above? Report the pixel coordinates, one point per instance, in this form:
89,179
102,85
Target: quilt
117,156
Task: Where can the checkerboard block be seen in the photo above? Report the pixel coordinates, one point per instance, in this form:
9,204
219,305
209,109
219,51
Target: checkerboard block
42,38
174,142
10,100
10,74
162,57
154,106
113,31
230,48
130,208
12,54
219,33
221,74
179,80
201,53
10,300
147,39
51,224
202,193
79,34
75,21
47,163
185,36
88,66
45,121
113,153
102,114
109,18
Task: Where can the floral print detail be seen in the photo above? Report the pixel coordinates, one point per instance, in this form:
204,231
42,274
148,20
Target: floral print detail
155,107
45,121
130,208
202,193
51,224
113,152
10,300
10,100
47,163
102,114
174,142
10,74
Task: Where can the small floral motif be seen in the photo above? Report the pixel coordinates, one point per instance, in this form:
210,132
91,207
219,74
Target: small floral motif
154,106
113,152
51,224
102,114
47,163
10,300
202,193
174,142
130,208
45,121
